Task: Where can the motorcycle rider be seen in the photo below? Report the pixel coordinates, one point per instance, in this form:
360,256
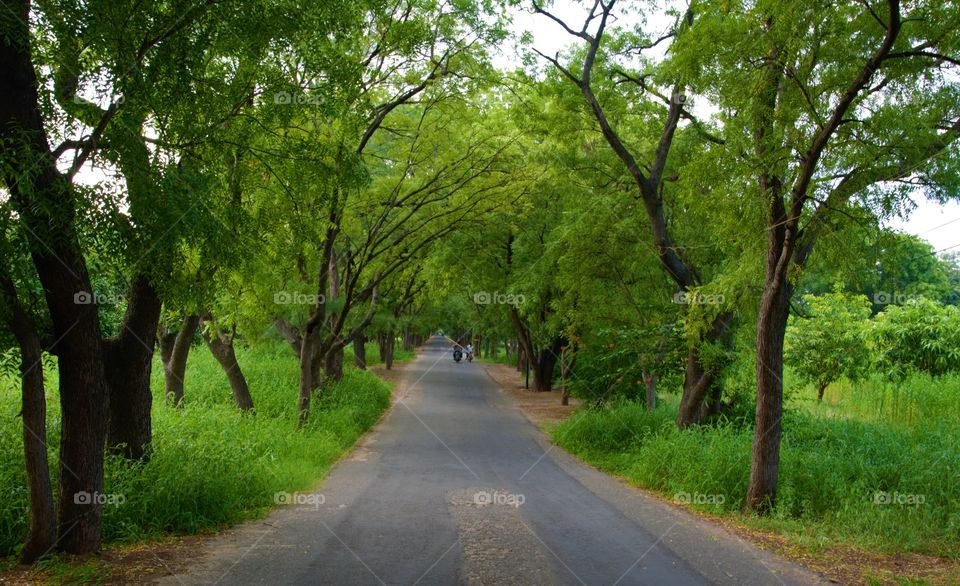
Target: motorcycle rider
469,352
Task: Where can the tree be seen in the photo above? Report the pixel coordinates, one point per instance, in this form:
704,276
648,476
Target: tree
647,166
831,342
920,336
848,103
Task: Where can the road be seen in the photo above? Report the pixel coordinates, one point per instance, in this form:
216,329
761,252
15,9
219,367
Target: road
455,486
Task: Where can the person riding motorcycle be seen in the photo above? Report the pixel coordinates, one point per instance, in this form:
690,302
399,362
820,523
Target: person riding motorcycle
457,353
469,353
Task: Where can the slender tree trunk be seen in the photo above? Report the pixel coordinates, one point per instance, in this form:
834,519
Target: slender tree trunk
650,383
333,356
167,339
382,346
820,390
175,370
360,352
566,370
128,364
221,346
308,353
390,341
42,527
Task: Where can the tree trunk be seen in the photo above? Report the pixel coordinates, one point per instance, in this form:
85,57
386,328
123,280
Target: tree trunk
360,352
650,383
308,353
566,371
333,364
543,366
289,333
771,330
128,363
389,342
175,370
698,382
382,346
42,527
221,346
45,203
820,389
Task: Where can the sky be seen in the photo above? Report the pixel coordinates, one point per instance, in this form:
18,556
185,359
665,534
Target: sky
936,223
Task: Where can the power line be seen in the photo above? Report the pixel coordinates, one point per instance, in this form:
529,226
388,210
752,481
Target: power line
938,227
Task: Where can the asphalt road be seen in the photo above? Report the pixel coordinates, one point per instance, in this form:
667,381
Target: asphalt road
455,486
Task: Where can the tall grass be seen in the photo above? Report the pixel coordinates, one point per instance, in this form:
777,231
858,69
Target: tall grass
211,466
914,402
870,479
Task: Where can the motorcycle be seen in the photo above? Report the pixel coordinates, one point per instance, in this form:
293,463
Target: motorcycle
469,356
457,355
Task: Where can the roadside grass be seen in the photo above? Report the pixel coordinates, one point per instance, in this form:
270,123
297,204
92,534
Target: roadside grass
211,466
868,478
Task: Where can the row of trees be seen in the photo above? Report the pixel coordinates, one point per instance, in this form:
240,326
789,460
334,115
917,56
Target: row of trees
687,177
350,172
245,170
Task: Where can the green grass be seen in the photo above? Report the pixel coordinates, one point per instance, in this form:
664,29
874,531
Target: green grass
211,465
834,471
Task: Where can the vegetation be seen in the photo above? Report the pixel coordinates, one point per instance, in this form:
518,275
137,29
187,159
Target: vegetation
682,213
859,476
212,466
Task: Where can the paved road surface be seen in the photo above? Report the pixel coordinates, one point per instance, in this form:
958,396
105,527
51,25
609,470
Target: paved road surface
456,487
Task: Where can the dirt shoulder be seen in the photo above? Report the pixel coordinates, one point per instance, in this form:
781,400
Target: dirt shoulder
541,409
840,563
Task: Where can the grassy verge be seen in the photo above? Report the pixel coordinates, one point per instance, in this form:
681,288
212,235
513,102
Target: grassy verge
884,487
211,466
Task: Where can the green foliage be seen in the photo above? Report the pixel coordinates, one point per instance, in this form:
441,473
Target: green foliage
612,363
831,342
919,336
212,466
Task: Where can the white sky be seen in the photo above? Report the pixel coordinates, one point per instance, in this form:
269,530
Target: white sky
938,224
